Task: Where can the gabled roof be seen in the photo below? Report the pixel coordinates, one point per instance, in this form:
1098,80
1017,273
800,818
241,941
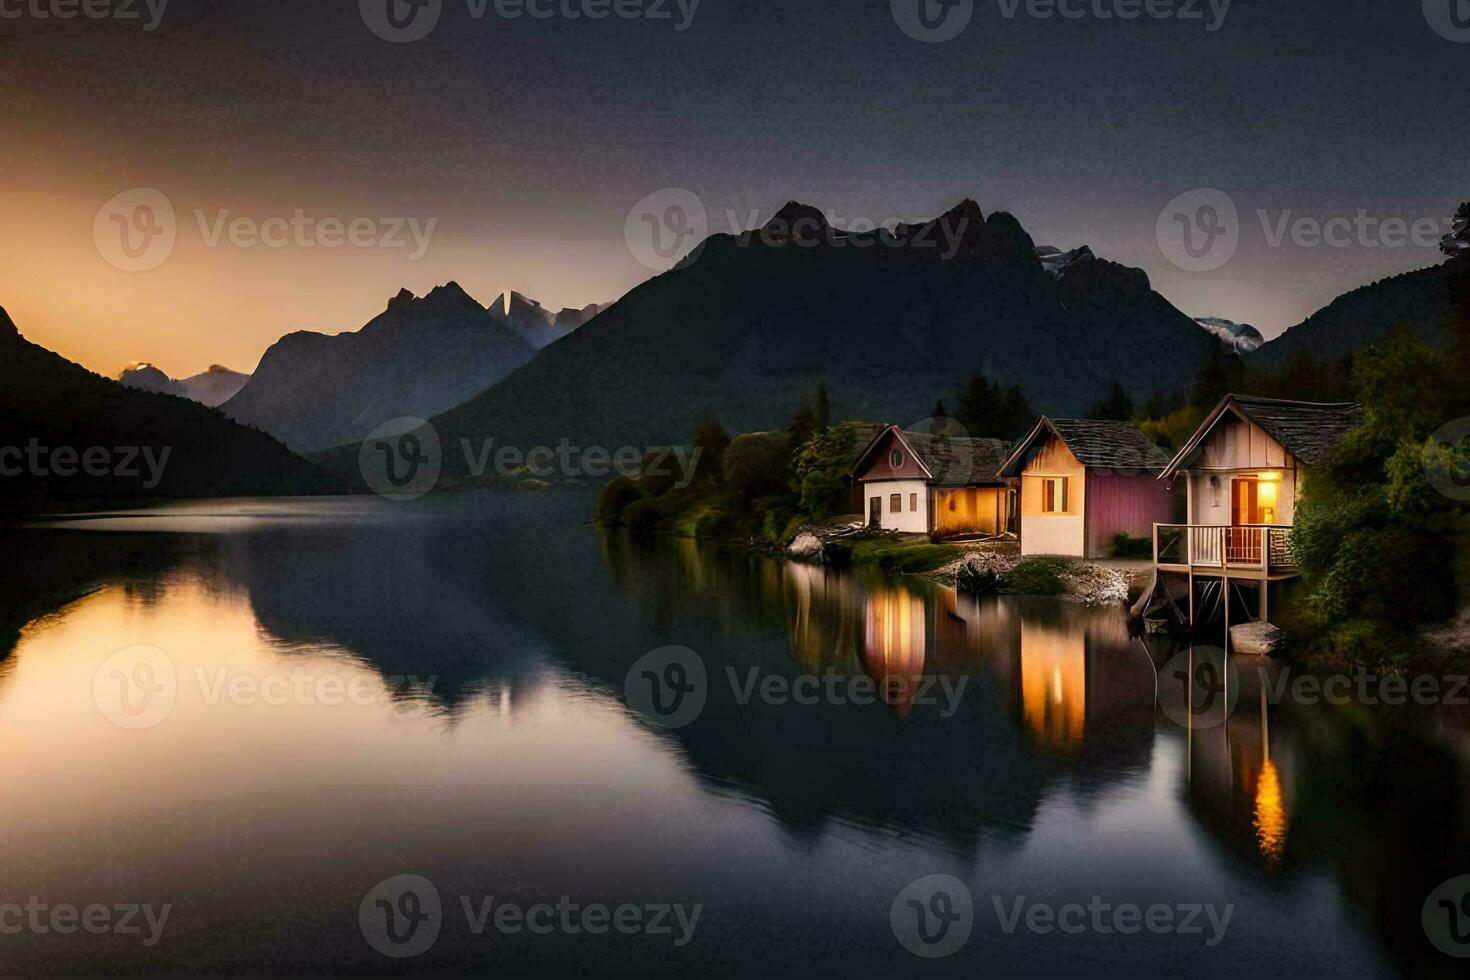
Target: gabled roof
1310,431
1095,443
946,460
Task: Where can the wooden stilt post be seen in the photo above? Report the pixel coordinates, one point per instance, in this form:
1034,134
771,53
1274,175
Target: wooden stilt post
1191,595
1225,587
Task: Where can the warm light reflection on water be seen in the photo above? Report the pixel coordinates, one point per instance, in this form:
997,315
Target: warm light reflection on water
1270,816
520,769
1054,684
256,714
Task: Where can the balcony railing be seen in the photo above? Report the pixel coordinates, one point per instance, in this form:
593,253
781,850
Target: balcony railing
1257,547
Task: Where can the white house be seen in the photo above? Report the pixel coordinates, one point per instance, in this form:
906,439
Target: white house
923,483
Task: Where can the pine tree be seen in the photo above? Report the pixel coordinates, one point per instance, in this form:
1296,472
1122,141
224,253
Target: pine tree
1457,243
1117,407
823,409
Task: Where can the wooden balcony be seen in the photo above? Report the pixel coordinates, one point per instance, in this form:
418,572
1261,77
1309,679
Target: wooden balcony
1258,551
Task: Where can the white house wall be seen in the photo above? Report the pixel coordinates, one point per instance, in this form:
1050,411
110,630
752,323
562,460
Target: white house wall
1203,500
907,521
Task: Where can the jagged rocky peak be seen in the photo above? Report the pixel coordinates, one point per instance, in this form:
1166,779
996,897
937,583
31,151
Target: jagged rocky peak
1242,337
796,218
7,325
404,296
1057,262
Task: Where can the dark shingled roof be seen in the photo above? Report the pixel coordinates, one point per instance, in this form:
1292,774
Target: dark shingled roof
954,461
1110,445
1310,431
960,460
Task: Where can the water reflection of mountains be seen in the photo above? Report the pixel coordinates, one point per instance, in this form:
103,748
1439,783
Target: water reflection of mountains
1054,694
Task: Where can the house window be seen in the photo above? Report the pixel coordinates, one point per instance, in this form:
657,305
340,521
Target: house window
895,458
913,503
952,502
1214,491
895,504
1054,495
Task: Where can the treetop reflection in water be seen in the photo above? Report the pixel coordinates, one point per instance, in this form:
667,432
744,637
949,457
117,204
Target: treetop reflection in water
518,771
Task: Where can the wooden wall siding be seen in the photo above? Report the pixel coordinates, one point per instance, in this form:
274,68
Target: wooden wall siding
980,510
1053,458
1124,502
880,469
1202,510
1236,443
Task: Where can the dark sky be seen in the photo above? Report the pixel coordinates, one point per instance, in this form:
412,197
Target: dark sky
530,140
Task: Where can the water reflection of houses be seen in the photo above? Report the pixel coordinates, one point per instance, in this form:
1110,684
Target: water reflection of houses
1240,780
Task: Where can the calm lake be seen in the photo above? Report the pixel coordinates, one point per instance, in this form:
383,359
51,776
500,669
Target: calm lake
258,712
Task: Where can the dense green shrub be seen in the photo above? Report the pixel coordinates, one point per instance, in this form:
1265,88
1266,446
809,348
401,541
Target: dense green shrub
614,497
755,465
819,472
641,517
1035,576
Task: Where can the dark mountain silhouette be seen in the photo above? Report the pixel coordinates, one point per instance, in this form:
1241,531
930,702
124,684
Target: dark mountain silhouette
1366,315
418,358
213,387
748,326
67,434
537,325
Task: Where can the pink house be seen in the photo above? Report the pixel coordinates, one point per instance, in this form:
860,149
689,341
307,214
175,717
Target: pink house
1085,481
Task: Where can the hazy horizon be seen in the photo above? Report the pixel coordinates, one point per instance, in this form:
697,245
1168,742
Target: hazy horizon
527,142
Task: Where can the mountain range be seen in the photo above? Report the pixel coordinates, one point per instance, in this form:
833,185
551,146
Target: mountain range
213,387
419,357
1359,318
67,434
537,325
749,325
